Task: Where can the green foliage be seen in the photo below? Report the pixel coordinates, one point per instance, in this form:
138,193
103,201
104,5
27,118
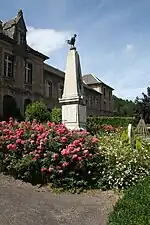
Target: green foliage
38,111
134,207
123,107
56,115
94,124
124,165
124,137
138,144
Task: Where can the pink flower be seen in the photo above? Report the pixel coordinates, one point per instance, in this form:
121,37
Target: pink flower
64,139
22,142
95,140
60,171
65,164
32,142
79,158
50,169
35,158
76,142
39,151
11,147
86,152
75,156
44,169
58,167
18,141
41,143
65,152
70,147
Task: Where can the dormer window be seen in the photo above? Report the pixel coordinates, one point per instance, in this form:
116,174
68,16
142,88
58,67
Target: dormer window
21,38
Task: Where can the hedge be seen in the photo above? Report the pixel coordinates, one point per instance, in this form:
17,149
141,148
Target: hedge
94,124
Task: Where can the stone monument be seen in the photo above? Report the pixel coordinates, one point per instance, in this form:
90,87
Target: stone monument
73,101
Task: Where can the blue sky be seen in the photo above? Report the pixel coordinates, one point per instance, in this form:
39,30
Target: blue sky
113,37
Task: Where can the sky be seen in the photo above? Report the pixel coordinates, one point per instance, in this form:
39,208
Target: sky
113,37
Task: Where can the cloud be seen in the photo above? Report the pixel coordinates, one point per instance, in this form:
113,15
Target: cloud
46,40
130,49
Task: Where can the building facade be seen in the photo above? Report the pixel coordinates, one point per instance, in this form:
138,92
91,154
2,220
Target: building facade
25,77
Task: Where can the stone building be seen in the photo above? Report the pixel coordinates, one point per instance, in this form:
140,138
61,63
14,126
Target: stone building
25,77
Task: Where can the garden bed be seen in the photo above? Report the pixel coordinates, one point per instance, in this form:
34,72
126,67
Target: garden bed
50,153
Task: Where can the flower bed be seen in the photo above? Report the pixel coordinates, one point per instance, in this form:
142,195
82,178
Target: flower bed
50,153
40,153
124,165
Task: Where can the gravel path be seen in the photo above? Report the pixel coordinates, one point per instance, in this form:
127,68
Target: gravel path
23,204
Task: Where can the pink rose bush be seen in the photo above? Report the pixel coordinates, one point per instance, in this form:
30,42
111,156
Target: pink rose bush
41,153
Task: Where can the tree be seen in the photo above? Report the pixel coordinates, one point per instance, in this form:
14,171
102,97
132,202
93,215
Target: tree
123,107
143,106
37,110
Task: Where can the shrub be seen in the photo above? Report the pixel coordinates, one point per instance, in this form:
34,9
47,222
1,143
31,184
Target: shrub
134,207
37,110
49,153
94,124
56,115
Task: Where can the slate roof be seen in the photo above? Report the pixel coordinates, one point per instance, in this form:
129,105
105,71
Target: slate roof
90,79
7,33
10,23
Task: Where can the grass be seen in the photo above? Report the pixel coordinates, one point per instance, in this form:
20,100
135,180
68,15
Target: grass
134,207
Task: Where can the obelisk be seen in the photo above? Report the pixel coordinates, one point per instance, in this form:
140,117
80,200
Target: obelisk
73,101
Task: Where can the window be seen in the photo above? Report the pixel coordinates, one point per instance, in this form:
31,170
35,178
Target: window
60,90
90,101
96,101
28,73
8,65
104,91
21,38
104,106
110,107
109,96
48,88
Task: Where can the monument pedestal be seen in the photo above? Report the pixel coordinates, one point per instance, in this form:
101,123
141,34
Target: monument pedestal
73,114
73,102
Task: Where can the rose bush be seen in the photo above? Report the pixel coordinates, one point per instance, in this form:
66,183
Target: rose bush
40,153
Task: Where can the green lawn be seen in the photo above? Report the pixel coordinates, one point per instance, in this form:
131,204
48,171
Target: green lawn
134,207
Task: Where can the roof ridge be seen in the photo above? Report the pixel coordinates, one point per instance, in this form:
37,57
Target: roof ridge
98,80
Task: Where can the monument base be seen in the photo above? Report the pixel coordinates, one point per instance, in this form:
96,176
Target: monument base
74,116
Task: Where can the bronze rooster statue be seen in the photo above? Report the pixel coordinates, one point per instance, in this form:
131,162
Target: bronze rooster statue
72,41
